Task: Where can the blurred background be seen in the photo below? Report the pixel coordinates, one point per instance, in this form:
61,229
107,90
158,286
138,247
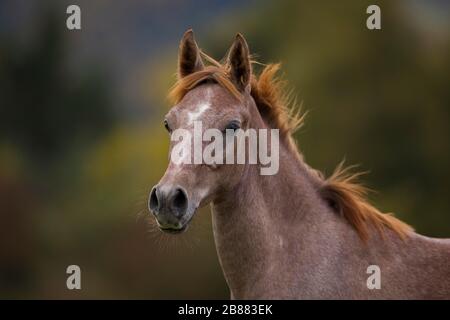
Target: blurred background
82,140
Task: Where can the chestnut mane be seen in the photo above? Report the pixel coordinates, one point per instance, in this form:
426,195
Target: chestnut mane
274,103
341,190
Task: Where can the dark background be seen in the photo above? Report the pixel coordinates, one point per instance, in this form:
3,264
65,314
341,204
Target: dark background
82,140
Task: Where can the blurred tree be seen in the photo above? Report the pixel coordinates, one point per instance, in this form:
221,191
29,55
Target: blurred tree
45,113
45,109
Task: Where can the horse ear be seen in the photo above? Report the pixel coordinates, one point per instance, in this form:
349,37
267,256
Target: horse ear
189,60
239,62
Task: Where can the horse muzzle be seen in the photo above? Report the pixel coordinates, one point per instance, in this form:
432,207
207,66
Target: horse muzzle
170,206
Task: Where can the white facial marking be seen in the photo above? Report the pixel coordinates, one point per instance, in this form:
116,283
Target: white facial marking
203,193
195,115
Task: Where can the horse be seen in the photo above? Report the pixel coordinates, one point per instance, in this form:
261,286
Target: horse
294,234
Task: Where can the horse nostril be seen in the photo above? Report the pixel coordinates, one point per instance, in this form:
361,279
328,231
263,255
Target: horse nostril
179,201
153,202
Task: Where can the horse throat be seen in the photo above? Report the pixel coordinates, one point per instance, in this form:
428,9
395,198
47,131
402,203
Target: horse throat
257,224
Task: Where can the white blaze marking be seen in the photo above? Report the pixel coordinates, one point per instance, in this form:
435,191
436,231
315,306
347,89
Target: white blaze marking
203,193
193,116
280,242
196,114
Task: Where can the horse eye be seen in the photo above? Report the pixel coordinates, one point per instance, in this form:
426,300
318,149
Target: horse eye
233,125
166,125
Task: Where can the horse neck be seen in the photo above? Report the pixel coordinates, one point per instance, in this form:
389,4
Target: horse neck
263,217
